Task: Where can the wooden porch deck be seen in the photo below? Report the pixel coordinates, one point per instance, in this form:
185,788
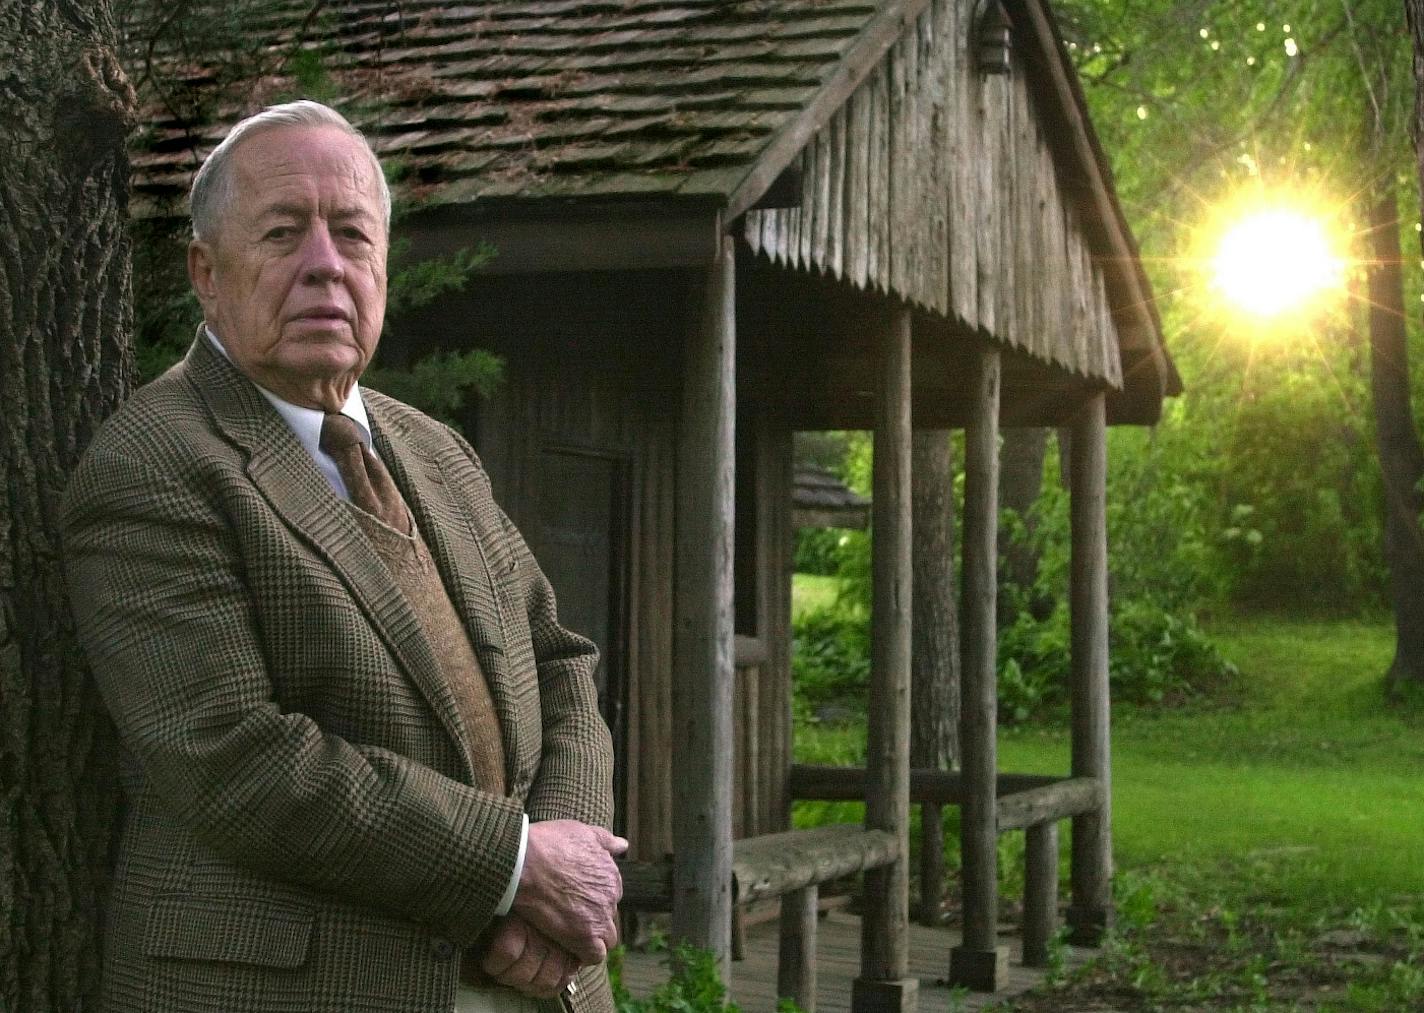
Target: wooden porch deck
837,962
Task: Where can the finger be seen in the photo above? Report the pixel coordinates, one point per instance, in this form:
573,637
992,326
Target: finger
607,932
547,980
610,841
504,948
590,950
524,970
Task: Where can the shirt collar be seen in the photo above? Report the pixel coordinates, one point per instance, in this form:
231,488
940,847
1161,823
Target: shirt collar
306,422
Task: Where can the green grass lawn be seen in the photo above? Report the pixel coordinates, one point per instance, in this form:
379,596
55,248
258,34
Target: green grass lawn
1292,803
813,591
1302,769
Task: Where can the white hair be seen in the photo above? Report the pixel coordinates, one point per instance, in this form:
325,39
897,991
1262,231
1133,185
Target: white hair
213,184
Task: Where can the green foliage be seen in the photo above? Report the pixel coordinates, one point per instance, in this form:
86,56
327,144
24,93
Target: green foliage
413,285
830,658
1166,561
818,550
1199,104
440,383
1157,657
166,311
694,985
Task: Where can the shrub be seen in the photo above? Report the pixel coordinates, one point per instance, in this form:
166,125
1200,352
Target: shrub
818,550
694,985
830,658
1156,657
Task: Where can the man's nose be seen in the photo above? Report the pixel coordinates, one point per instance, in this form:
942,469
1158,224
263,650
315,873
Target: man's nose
321,259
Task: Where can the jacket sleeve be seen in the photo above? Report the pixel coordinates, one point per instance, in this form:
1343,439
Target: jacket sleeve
159,595
575,775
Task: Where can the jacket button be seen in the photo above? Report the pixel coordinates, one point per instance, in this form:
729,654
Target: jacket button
442,948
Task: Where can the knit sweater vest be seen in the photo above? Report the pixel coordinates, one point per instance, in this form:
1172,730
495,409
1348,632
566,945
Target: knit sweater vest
409,562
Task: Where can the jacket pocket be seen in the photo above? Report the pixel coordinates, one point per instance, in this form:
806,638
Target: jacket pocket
269,932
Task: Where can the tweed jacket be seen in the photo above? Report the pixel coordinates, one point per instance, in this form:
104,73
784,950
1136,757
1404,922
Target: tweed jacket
301,831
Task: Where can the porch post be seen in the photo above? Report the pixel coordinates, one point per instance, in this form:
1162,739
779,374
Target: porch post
884,985
702,629
979,962
1090,911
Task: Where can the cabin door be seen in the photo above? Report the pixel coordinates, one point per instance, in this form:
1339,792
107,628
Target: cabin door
579,540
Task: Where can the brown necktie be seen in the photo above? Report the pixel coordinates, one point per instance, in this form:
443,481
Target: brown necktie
366,478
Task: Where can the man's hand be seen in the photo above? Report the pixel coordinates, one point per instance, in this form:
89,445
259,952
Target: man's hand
570,886
519,957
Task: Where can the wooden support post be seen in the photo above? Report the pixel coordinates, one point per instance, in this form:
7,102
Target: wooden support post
796,967
1040,909
702,628
979,962
1091,910
934,653
883,984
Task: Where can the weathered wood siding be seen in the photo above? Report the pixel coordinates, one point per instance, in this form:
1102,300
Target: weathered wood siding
590,394
763,689
936,184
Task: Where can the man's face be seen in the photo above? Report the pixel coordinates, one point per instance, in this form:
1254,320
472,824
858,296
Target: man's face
294,283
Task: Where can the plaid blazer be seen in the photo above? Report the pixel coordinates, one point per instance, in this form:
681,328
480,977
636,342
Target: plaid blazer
301,831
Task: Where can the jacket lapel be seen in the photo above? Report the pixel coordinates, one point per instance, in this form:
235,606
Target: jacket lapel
282,470
461,556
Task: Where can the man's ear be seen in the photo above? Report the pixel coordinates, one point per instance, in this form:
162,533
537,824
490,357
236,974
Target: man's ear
202,270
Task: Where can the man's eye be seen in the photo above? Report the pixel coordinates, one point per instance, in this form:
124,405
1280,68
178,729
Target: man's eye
280,232
353,233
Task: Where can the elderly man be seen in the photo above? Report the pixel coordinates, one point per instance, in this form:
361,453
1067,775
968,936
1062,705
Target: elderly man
364,764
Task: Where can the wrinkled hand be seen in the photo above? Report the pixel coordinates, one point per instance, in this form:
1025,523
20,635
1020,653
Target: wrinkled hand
521,958
570,886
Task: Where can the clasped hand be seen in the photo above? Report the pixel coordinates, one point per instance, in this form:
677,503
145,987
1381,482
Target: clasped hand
565,908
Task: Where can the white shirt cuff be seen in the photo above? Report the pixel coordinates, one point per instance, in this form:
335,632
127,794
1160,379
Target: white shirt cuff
507,901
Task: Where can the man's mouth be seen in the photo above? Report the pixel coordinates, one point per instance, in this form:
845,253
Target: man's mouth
324,313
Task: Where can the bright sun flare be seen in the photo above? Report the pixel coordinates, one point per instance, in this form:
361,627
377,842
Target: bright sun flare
1275,261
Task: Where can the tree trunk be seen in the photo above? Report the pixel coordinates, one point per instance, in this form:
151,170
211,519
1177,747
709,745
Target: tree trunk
1020,481
64,365
1401,458
934,651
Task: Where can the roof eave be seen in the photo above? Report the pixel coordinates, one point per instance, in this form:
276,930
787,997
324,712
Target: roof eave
1058,88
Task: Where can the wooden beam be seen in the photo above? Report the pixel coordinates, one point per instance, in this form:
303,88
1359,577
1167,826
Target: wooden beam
1069,797
775,864
1040,909
796,962
812,782
572,239
770,865
934,652
749,651
979,962
702,625
885,926
859,59
1091,877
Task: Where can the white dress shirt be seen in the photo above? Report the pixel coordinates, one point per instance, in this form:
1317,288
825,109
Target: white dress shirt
306,424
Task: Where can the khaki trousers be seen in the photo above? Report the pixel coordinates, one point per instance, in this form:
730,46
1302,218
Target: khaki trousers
493,1000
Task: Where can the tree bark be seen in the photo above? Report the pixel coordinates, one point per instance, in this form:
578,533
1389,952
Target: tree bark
65,111
1020,481
1401,458
934,651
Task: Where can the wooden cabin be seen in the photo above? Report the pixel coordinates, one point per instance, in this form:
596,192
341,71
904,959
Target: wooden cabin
820,500
719,222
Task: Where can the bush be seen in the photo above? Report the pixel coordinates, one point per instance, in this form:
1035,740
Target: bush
818,550
830,658
1155,658
694,985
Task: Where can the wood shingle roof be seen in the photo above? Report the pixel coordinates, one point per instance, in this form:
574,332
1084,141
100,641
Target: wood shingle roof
594,98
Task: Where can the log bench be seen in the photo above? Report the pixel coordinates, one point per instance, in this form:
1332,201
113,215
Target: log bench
791,865
1033,803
